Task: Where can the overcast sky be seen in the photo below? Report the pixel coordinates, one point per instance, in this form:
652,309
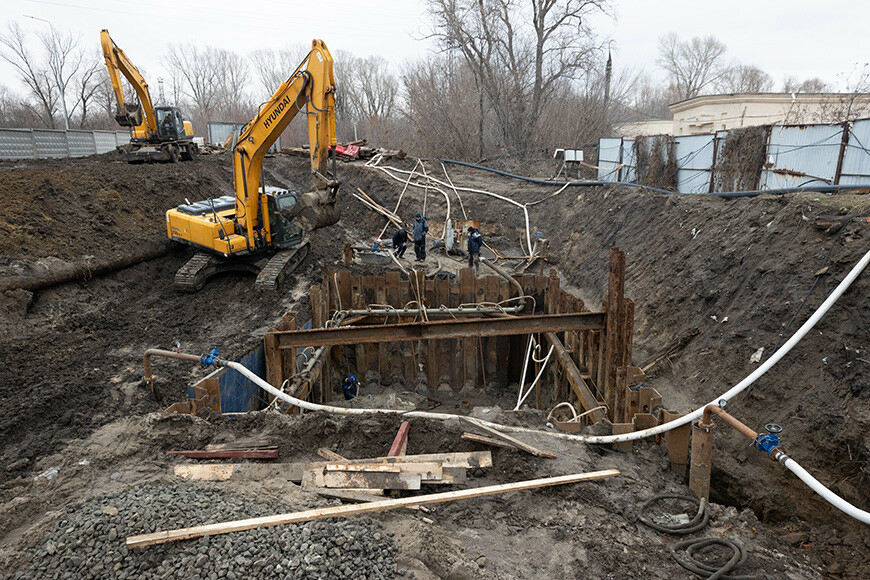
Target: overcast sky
803,38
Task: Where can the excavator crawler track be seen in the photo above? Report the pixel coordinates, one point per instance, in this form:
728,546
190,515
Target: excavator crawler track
193,275
281,264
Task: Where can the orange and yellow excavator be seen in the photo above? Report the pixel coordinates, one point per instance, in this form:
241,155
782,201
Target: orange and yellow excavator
159,133
262,229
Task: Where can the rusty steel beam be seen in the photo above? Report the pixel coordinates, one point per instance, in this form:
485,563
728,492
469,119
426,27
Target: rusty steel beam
441,329
578,385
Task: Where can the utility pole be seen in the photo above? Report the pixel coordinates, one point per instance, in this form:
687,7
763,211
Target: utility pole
56,66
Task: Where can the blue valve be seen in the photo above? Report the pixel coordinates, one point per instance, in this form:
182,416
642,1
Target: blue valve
770,440
208,359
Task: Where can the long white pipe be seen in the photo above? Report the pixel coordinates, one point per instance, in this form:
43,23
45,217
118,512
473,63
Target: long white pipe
828,495
789,463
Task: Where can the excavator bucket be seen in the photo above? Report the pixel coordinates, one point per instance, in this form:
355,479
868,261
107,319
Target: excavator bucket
315,209
132,117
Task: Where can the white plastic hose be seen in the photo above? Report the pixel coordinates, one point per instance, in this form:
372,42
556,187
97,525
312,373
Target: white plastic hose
828,495
792,465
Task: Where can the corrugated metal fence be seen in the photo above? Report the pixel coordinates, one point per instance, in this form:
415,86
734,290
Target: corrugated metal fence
795,156
46,143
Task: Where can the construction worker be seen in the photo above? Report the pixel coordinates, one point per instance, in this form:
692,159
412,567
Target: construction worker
421,226
475,241
400,241
350,387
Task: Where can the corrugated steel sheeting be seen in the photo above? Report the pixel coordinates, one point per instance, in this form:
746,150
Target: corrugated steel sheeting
801,155
628,172
694,162
856,161
608,159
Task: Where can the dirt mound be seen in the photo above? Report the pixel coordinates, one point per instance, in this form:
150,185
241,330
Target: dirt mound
70,355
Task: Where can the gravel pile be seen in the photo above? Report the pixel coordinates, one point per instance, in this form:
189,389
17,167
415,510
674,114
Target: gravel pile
89,541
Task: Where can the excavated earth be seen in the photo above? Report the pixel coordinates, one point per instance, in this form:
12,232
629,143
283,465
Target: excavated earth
714,280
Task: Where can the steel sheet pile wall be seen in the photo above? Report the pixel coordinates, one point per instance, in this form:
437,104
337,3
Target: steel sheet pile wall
801,155
609,158
54,143
628,172
856,159
779,157
694,163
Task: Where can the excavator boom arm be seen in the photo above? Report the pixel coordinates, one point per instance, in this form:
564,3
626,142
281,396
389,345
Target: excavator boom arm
117,62
312,86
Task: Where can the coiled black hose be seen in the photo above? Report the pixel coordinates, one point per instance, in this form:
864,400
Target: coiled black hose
693,525
689,562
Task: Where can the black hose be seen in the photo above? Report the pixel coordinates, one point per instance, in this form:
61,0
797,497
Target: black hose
693,525
750,193
689,562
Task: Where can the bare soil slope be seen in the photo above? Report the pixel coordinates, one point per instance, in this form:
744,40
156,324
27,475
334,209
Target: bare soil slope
70,365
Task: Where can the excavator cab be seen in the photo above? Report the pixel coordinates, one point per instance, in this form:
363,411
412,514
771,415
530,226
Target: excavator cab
284,233
170,124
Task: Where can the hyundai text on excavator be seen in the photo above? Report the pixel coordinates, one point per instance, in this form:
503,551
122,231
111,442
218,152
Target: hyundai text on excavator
262,229
159,133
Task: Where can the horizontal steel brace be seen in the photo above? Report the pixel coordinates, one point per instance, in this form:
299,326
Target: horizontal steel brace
440,329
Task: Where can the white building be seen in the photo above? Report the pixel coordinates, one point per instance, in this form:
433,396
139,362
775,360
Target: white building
711,113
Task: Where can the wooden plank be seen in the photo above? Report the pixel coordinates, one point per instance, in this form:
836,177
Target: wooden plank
645,421
329,454
502,343
578,385
468,345
251,444
429,471
349,510
621,387
274,361
294,471
488,440
205,472
628,332
516,443
615,317
490,357
362,480
240,454
400,443
619,429
677,442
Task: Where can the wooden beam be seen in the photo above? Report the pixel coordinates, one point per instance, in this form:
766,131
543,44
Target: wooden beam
515,442
575,379
487,440
237,453
440,329
349,510
329,454
400,443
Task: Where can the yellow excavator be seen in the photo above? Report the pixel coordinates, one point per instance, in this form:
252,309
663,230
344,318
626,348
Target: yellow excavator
261,229
159,133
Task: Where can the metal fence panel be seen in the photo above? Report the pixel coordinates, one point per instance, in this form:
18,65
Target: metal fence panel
16,144
104,141
694,162
81,143
856,161
50,143
801,155
628,172
608,159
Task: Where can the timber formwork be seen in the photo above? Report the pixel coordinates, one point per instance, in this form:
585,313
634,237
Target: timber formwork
590,366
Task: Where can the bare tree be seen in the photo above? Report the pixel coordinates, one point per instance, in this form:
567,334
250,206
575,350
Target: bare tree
86,86
813,85
744,78
215,80
518,52
273,67
692,65
33,72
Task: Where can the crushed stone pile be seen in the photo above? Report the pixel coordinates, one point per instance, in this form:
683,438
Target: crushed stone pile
89,541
